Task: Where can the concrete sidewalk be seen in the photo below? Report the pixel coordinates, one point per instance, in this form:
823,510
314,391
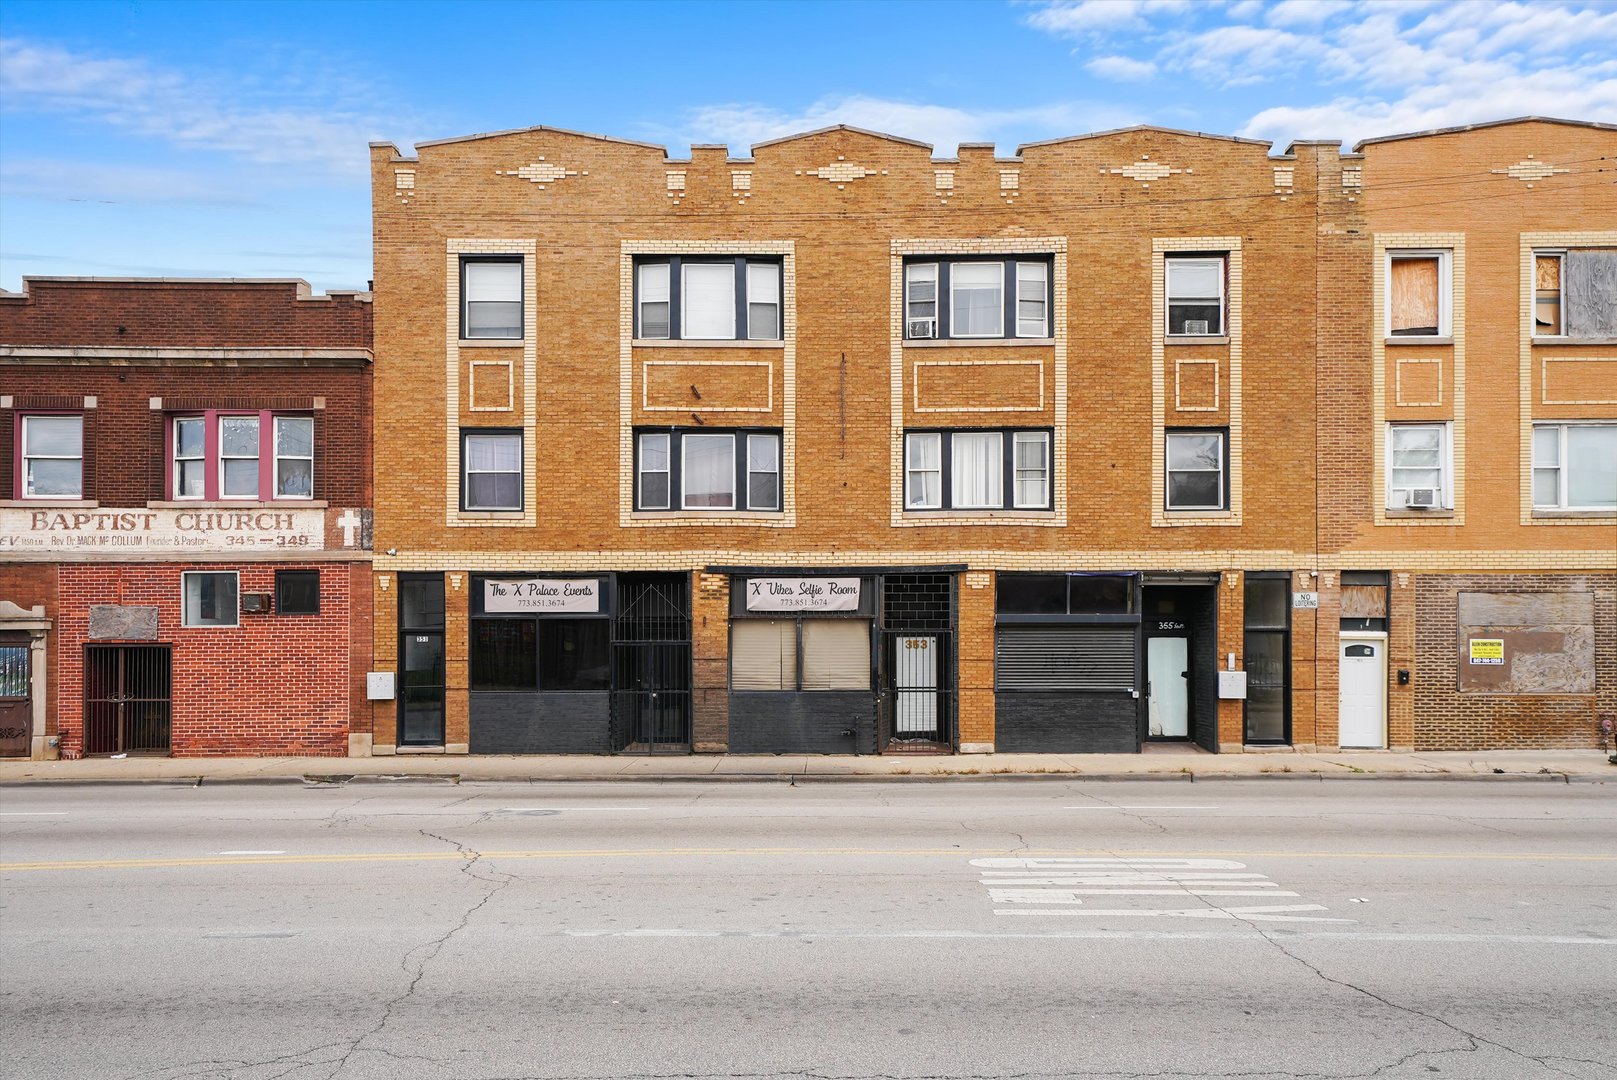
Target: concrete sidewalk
1563,766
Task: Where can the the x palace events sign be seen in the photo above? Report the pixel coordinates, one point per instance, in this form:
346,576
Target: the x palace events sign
542,596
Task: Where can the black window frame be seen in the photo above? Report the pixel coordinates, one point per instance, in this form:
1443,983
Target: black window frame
1282,578
1130,582
675,263
742,470
284,577
1007,469
1223,329
522,464
522,302
1008,294
1223,507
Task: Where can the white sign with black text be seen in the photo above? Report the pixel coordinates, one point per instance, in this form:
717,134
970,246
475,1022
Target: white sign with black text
542,596
803,594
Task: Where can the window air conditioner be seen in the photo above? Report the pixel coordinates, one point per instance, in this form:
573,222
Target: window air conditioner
1195,326
255,603
1421,498
923,328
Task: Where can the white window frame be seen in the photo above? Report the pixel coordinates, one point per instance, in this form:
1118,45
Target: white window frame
27,457
1043,281
1445,291
258,458
1017,439
1168,470
684,471
1222,262
466,471
175,458
778,272
1559,255
911,279
466,263
1445,458
910,472
275,476
999,331
1562,483
185,599
667,472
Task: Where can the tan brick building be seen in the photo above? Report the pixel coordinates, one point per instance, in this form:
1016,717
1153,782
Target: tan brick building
843,447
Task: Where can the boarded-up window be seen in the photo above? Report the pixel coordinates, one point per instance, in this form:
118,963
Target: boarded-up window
836,654
1526,643
1589,285
1547,295
1064,658
763,654
1414,300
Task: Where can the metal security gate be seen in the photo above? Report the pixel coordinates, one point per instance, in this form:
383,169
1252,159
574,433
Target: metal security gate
917,662
127,708
651,664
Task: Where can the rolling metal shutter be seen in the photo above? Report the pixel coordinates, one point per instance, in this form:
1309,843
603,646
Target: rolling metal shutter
1064,658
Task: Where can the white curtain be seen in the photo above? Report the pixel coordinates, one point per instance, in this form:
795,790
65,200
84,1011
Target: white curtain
978,464
924,455
710,471
708,301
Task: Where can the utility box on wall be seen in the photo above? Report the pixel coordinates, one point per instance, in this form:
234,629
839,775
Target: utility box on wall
1232,685
379,686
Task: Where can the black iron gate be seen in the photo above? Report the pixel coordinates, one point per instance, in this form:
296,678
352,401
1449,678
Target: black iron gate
651,664
127,709
917,662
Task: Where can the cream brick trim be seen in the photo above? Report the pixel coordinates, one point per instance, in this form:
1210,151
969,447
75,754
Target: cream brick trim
974,560
510,385
769,386
1383,243
455,248
1544,390
1475,561
787,250
1529,242
1161,517
1398,389
915,378
1054,246
1178,394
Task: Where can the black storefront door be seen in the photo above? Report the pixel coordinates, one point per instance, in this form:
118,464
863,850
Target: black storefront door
421,695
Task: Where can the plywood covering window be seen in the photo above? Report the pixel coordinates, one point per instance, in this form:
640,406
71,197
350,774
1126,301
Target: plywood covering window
1575,293
1416,302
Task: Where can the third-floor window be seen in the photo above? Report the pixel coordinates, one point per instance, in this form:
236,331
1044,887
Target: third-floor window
690,298
977,298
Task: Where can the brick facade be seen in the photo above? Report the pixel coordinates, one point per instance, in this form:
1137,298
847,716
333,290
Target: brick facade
129,359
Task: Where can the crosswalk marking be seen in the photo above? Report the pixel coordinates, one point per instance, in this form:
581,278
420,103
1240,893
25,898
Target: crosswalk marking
1049,886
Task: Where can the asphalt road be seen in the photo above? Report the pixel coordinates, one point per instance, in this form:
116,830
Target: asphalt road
1264,928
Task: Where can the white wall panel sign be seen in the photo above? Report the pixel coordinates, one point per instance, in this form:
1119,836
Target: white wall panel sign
803,594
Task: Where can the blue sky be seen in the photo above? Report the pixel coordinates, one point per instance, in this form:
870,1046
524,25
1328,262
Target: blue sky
228,139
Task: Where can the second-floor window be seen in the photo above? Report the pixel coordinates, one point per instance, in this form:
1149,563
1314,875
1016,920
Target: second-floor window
1575,466
977,470
679,469
1197,470
1194,287
1418,467
491,298
491,469
705,299
52,457
977,298
258,456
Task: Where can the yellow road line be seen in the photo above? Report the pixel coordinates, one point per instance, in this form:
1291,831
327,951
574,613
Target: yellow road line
705,853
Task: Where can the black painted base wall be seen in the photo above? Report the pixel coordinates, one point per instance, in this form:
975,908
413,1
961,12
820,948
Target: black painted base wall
803,723
539,723
1066,724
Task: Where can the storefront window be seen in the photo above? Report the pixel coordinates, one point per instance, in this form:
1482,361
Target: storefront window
504,654
835,654
516,655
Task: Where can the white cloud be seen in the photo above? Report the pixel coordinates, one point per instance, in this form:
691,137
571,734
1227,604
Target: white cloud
945,127
1081,18
1304,12
77,181
1121,68
291,123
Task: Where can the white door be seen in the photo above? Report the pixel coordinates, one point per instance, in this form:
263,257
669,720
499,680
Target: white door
916,680
1362,718
1168,669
